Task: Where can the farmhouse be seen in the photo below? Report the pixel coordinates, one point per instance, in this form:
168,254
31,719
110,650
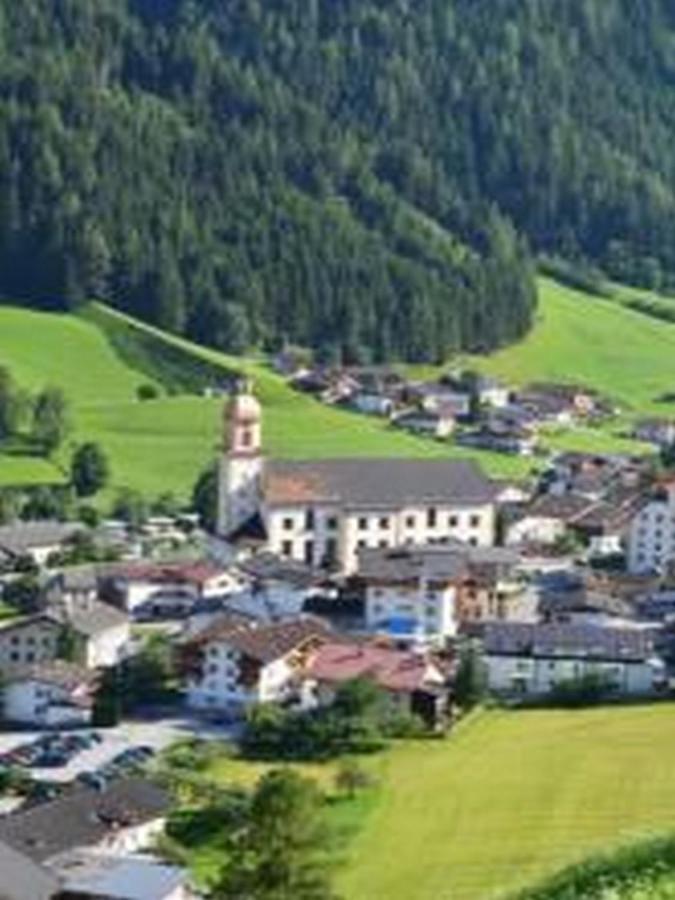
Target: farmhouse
322,512
660,432
438,423
531,659
651,546
27,640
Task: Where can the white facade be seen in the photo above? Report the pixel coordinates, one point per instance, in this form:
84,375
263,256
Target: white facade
651,543
538,676
226,685
107,648
24,642
239,483
45,705
313,535
429,607
536,530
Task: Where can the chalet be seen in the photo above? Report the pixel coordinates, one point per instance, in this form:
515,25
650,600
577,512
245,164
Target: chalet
373,404
531,659
48,695
235,663
546,520
501,439
559,403
433,396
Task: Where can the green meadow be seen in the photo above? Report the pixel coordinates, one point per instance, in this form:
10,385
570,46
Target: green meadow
102,357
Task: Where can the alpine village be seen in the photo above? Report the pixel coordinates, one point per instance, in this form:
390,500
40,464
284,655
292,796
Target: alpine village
337,450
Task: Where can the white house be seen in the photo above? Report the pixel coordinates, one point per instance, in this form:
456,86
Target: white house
27,640
102,632
48,695
373,404
531,659
438,423
322,512
236,663
36,540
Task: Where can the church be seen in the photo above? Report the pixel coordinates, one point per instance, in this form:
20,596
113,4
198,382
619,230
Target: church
322,512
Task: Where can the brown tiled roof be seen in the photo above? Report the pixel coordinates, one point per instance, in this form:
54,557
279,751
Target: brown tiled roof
394,670
367,483
264,643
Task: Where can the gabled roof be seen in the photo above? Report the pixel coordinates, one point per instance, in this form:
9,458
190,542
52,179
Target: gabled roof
376,483
391,669
560,641
264,643
82,818
124,878
58,673
22,537
90,619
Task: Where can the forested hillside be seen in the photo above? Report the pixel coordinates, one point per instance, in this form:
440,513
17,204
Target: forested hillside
364,176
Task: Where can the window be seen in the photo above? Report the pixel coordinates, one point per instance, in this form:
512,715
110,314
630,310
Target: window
331,550
309,520
30,657
361,544
474,521
30,640
332,523
287,548
383,544
287,524
246,438
213,669
15,640
432,518
309,552
14,656
453,521
214,651
410,522
473,541
363,523
384,522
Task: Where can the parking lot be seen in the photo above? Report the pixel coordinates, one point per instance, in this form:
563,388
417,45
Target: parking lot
154,734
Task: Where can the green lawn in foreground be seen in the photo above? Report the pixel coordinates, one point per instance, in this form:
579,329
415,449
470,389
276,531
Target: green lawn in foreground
599,343
511,797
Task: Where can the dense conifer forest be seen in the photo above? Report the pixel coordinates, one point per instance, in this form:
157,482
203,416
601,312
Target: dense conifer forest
369,177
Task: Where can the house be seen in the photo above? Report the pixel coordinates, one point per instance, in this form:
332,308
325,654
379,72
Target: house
48,695
36,540
284,586
102,632
124,818
531,659
651,542
98,876
584,607
235,663
321,512
27,640
546,520
164,589
373,404
422,595
433,396
490,392
501,439
660,432
439,423
24,879
559,402
592,475
412,682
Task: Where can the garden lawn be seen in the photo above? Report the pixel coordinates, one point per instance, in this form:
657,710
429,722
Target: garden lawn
511,797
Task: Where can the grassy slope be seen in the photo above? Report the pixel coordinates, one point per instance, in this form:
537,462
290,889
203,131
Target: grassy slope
628,356
162,445
513,796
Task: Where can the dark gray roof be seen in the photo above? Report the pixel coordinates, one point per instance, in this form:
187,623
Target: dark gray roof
91,618
568,641
82,818
125,878
21,537
384,483
268,567
436,561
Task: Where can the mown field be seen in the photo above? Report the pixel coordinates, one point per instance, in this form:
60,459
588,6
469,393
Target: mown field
511,797
158,446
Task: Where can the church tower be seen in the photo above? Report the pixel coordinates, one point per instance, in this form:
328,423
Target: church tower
241,465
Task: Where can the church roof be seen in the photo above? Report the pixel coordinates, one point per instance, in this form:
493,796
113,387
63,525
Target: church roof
368,483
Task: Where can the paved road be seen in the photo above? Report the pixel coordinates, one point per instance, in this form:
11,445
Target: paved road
157,734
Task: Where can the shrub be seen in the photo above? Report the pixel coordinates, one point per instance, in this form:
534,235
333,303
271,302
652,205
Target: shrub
147,392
